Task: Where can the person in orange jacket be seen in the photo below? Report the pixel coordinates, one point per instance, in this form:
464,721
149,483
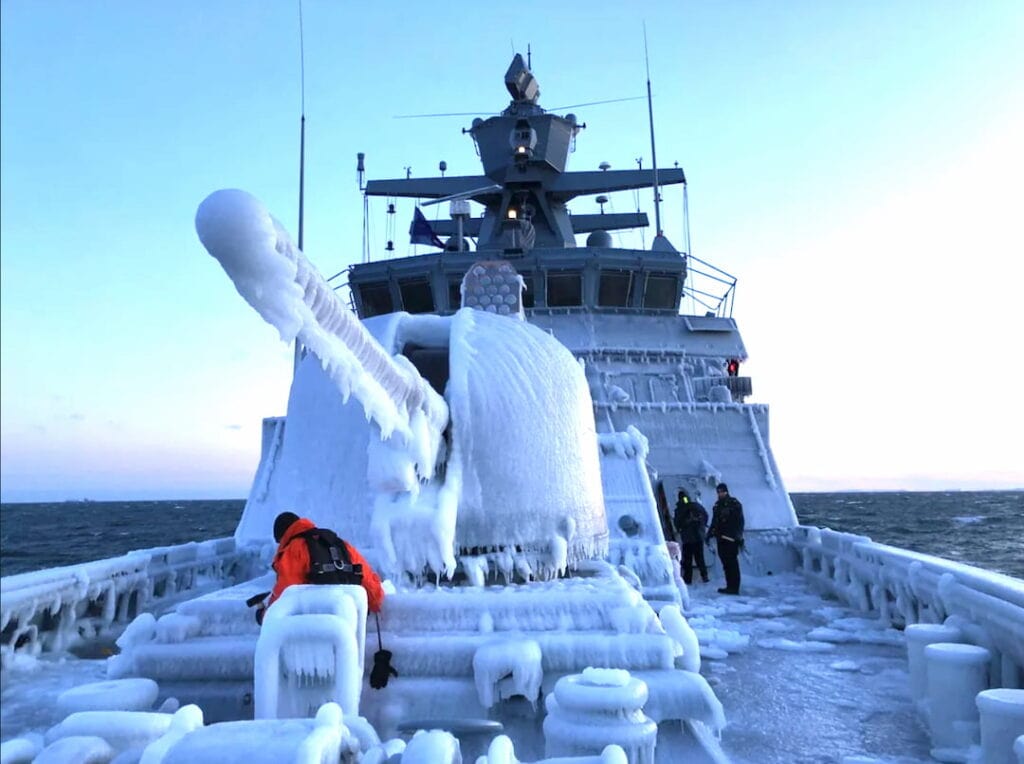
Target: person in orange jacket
292,563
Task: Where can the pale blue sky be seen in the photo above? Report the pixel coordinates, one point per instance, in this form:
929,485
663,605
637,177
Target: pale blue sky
856,164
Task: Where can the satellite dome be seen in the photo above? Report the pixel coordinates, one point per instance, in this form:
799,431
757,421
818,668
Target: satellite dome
452,245
600,239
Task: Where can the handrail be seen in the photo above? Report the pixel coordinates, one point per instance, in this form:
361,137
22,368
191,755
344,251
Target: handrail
54,609
904,587
720,304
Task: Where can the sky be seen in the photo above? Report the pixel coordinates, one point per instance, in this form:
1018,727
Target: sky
855,165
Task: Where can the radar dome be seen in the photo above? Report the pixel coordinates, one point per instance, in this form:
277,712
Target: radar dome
600,239
452,245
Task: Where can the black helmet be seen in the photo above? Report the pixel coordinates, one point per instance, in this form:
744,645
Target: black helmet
282,523
722,487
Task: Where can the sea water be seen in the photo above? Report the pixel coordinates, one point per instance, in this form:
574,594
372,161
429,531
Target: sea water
983,528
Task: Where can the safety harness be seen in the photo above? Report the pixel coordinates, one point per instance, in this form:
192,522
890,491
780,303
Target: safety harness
329,559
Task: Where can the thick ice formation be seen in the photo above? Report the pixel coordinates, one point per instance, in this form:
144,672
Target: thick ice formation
135,694
54,609
310,651
597,708
522,468
277,279
506,668
524,442
521,475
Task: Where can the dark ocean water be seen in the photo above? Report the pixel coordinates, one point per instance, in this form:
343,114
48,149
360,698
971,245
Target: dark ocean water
983,528
35,536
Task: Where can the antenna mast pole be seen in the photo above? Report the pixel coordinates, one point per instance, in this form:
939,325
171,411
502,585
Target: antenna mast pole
654,156
302,159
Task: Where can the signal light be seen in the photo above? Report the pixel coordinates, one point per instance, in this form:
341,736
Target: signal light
733,367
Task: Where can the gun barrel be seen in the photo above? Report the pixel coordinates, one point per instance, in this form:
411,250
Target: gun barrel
284,287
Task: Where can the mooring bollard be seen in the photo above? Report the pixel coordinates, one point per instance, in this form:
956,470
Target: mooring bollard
956,674
919,636
598,708
1002,721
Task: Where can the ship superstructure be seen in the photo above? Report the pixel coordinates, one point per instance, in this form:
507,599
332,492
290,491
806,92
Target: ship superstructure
675,377
502,430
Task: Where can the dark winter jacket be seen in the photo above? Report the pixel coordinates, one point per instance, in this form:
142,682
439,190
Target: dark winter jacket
691,521
727,521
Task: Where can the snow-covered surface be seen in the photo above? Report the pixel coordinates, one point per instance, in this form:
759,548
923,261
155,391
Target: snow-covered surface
789,697
784,674
135,694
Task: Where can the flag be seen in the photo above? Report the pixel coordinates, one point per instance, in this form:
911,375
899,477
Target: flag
420,231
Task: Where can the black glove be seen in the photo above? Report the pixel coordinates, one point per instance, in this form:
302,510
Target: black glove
260,611
740,544
382,669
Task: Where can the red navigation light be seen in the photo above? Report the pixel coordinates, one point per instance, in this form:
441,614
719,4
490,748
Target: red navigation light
733,367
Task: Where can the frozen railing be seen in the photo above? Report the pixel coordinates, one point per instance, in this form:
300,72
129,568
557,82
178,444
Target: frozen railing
54,609
905,587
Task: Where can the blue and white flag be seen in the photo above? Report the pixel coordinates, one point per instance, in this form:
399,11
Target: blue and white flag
420,231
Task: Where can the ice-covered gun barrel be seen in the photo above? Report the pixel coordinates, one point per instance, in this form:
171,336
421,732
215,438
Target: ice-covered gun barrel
277,279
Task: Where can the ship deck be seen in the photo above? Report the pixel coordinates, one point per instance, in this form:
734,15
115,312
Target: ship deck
803,679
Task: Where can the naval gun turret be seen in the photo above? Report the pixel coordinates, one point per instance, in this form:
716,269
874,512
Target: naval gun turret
490,455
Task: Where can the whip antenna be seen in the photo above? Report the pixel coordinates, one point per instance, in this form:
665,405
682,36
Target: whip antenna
302,158
302,122
654,156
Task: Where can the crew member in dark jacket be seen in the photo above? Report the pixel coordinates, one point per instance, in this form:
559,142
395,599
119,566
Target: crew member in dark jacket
727,527
691,521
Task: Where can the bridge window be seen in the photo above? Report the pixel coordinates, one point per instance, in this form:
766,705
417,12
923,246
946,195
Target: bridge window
376,299
529,290
660,291
615,289
565,289
455,294
417,296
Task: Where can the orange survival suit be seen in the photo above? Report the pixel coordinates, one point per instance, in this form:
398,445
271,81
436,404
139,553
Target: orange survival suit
291,563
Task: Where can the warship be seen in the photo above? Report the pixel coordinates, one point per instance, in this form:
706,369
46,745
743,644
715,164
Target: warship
502,425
